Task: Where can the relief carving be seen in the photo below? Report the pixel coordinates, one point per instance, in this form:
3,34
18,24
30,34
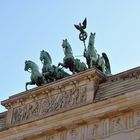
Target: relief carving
116,124
137,118
95,131
50,138
50,105
105,125
56,136
74,134
129,120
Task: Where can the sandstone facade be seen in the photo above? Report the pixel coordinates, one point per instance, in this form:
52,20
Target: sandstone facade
85,106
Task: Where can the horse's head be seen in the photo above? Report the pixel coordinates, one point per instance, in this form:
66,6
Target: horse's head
42,55
45,57
66,47
27,65
65,43
30,65
92,38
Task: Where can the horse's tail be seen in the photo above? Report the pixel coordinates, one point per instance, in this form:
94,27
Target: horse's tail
107,63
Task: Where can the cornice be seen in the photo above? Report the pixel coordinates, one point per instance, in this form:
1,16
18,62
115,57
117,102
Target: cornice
91,74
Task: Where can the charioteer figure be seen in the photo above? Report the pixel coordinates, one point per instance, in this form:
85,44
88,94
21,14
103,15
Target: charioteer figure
93,59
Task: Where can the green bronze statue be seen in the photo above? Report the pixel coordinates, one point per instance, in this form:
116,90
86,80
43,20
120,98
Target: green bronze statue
74,65
93,59
49,71
36,76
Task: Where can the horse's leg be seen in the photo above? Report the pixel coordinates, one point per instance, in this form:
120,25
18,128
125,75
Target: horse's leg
74,70
88,63
29,83
103,67
47,77
101,64
44,80
45,74
83,66
86,55
91,63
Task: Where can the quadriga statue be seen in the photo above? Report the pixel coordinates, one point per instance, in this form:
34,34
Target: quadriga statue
93,59
74,65
36,77
49,71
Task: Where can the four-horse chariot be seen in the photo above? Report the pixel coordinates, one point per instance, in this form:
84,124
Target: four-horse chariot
51,72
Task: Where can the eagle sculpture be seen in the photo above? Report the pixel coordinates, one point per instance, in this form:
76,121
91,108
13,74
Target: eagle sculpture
82,26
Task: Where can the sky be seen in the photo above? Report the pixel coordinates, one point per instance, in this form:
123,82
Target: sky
28,26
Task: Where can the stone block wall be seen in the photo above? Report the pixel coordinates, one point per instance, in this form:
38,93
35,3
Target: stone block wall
2,121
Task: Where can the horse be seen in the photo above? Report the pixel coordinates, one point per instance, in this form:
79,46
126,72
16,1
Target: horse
69,61
93,59
36,77
51,72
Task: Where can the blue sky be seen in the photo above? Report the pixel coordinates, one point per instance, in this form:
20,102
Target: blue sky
28,26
